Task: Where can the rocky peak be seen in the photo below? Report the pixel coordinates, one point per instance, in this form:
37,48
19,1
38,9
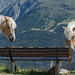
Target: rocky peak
18,8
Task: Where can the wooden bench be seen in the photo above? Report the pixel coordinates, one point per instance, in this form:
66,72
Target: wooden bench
35,54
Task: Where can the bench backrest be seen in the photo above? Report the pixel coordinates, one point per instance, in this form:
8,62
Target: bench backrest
35,53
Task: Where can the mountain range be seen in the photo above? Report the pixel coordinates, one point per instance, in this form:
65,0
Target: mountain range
39,22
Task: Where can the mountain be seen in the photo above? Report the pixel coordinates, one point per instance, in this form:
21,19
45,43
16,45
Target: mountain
39,22
5,3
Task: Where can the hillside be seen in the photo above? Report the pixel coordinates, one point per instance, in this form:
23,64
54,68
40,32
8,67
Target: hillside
39,23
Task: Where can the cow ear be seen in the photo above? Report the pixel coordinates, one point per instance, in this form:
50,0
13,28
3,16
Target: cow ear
7,19
64,27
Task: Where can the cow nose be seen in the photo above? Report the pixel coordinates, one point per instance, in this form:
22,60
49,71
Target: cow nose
11,38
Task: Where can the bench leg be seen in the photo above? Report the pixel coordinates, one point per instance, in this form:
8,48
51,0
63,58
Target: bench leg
70,59
60,64
51,65
57,67
13,66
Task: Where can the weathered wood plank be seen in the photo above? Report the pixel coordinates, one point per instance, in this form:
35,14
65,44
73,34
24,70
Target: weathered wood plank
34,55
34,47
33,51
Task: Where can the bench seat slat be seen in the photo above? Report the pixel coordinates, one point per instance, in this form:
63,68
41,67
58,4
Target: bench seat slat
33,48
34,51
37,58
34,55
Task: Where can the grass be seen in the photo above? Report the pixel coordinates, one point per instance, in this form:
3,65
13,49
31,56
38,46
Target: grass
25,72
30,72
